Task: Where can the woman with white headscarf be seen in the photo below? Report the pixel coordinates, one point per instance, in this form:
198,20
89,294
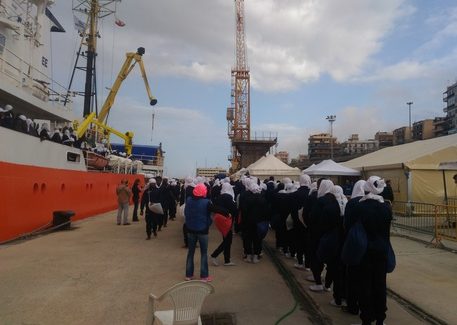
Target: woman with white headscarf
281,209
300,233
253,209
226,202
186,191
327,212
375,216
340,197
352,271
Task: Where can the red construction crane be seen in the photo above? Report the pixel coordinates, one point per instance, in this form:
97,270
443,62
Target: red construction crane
238,115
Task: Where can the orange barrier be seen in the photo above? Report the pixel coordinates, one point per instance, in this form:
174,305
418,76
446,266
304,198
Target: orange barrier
30,195
433,219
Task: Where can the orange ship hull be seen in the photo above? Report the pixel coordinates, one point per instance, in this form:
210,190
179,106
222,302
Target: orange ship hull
31,194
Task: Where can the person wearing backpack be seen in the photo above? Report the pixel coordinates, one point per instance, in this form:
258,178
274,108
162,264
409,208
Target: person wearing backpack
375,216
352,271
151,194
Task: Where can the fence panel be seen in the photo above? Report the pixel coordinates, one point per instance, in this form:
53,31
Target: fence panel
446,221
414,216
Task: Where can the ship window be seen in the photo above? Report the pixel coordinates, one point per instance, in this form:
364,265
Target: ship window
73,157
2,43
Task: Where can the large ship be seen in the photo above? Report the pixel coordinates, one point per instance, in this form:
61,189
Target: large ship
40,176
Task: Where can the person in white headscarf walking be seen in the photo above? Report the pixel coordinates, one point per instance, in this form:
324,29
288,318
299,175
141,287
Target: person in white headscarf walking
254,209
352,271
300,232
327,212
375,215
226,202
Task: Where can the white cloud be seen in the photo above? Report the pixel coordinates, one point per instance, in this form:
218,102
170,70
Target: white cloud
289,42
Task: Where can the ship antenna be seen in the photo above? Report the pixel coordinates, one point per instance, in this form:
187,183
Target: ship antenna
93,10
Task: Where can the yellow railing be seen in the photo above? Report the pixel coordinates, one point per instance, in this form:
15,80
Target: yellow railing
426,218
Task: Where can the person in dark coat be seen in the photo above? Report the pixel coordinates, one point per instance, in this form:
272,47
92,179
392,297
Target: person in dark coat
375,215
300,229
44,133
352,271
388,193
186,192
325,218
280,209
253,209
136,190
225,201
151,194
173,197
162,185
20,124
6,117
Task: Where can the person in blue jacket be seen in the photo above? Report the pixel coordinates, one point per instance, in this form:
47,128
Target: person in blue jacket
198,220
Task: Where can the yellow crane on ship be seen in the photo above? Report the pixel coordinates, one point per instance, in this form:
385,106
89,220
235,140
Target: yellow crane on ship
132,58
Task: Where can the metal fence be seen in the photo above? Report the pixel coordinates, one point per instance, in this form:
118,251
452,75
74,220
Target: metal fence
436,220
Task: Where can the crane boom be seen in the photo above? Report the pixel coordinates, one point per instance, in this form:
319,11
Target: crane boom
100,121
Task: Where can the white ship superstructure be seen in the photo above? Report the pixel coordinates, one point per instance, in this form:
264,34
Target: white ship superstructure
25,61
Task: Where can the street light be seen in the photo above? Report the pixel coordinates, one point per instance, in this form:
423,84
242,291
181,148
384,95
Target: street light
331,119
409,107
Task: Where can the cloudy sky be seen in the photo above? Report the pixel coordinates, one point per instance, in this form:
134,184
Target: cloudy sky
360,60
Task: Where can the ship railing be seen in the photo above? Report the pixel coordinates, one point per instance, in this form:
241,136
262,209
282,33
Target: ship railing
24,74
150,160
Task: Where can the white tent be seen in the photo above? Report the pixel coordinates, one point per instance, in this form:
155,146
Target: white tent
416,170
310,168
271,166
330,168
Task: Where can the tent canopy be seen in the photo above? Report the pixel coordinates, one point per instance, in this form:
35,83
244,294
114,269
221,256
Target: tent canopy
271,166
330,168
425,154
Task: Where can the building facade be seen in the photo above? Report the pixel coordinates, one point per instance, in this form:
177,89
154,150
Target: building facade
210,172
402,135
320,147
385,139
354,146
440,126
423,130
449,97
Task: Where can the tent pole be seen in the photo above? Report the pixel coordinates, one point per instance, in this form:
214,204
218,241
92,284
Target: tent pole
445,188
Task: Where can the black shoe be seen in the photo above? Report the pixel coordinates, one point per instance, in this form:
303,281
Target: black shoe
155,234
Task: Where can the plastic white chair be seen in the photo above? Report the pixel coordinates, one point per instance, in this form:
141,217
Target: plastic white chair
187,299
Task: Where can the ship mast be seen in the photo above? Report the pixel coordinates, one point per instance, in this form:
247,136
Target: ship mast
91,11
91,84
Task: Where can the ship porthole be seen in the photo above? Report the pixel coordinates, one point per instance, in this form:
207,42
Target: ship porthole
87,186
43,187
62,187
35,188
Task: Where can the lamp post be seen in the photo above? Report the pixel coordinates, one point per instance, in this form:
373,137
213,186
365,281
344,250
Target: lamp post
409,107
331,119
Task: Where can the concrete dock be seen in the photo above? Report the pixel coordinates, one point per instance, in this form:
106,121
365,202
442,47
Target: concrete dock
101,273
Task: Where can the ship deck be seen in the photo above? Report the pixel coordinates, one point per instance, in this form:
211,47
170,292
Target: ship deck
101,273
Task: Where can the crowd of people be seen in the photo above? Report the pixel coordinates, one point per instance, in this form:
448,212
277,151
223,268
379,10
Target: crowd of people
63,134
314,223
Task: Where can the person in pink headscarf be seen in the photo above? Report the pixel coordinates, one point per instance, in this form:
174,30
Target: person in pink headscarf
198,220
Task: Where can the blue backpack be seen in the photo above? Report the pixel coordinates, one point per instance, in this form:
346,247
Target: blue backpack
355,245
